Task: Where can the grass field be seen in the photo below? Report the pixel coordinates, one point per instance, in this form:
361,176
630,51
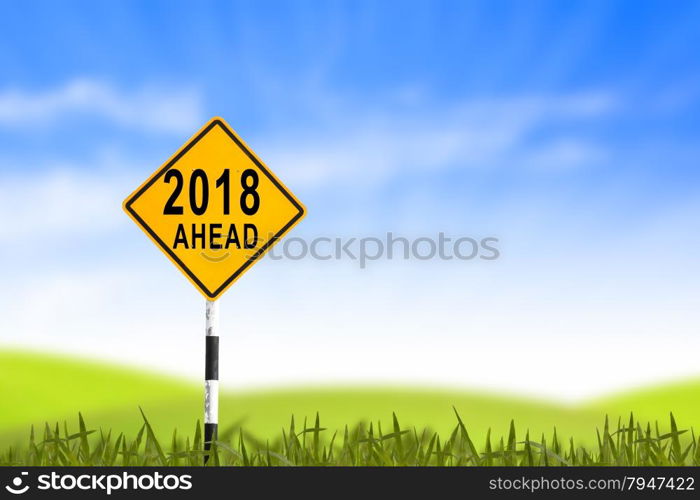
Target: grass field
628,443
38,388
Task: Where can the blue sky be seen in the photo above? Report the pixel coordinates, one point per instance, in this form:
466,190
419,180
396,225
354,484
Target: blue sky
567,129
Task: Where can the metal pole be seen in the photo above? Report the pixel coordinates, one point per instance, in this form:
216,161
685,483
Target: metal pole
211,376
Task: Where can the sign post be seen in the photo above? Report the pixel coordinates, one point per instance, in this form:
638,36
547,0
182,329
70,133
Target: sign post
214,208
211,375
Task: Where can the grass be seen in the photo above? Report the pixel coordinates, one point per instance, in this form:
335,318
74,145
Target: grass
627,444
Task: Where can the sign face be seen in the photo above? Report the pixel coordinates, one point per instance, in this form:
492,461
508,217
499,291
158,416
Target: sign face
214,208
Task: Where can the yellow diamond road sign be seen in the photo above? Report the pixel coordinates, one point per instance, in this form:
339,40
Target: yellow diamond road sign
214,208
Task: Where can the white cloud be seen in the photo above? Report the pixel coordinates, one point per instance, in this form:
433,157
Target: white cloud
367,149
370,148
61,201
563,154
149,108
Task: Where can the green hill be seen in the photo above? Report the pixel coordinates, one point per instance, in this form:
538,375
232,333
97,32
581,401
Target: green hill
652,403
36,388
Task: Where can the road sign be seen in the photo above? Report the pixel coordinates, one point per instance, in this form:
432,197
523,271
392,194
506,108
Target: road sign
214,208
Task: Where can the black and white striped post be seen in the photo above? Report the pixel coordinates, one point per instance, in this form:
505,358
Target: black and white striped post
211,376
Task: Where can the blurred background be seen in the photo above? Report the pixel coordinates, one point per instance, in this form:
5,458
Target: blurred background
567,130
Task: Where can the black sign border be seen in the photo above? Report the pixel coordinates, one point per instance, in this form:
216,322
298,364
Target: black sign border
166,248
